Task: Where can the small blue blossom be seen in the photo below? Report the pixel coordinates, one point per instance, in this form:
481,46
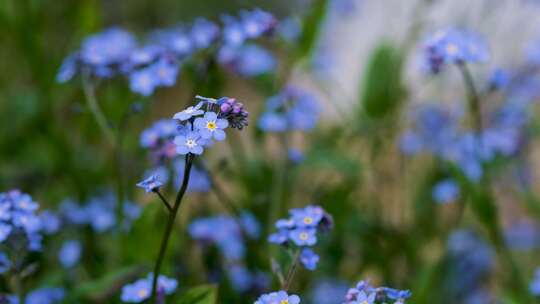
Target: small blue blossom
70,253
18,214
141,289
534,286
453,46
143,81
303,236
364,293
191,142
189,112
50,222
210,126
445,191
309,258
309,216
278,297
327,291
150,184
111,46
45,296
203,33
68,69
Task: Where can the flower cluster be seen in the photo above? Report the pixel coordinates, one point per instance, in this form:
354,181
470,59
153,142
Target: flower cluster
158,61
453,46
436,130
292,109
141,290
278,297
18,219
364,293
228,234
301,230
200,125
99,212
471,261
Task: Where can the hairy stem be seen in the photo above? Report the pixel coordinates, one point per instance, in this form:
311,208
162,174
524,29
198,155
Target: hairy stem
292,271
170,224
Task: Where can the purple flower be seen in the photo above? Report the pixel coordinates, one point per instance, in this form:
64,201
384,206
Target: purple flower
278,297
150,184
70,253
303,236
210,126
309,258
191,142
189,112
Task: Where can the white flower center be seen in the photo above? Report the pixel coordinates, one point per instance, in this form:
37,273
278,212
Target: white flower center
191,143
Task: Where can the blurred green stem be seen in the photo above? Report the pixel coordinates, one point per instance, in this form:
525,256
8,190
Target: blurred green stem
170,224
163,199
473,99
93,105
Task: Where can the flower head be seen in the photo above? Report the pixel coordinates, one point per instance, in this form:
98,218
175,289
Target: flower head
191,142
70,253
278,297
445,191
309,258
150,184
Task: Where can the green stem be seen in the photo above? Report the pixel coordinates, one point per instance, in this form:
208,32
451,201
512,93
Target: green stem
170,224
163,199
94,107
292,271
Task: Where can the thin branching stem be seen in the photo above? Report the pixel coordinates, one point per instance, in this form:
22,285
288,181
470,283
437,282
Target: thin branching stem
170,224
292,271
163,199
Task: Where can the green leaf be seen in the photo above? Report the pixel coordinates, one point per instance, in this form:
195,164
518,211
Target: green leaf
312,27
107,285
204,294
382,89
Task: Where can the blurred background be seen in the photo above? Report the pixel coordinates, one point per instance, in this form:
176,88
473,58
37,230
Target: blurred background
412,209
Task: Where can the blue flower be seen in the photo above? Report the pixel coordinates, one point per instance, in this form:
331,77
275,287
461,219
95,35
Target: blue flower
70,253
143,81
281,237
303,236
445,191
68,69
309,216
50,222
280,297
150,184
210,126
203,33
534,286
327,291
396,294
247,60
141,289
45,296
5,263
111,46
273,122
189,112
191,142
5,231
309,258
453,46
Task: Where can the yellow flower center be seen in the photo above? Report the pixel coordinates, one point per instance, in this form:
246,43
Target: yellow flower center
308,220
451,49
364,302
303,236
284,302
211,125
142,293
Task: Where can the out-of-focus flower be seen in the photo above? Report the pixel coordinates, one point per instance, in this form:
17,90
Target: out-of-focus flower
523,235
5,263
45,296
309,258
278,297
203,33
18,218
247,60
150,184
141,289
293,109
363,292
453,46
70,253
50,222
445,191
327,291
534,286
